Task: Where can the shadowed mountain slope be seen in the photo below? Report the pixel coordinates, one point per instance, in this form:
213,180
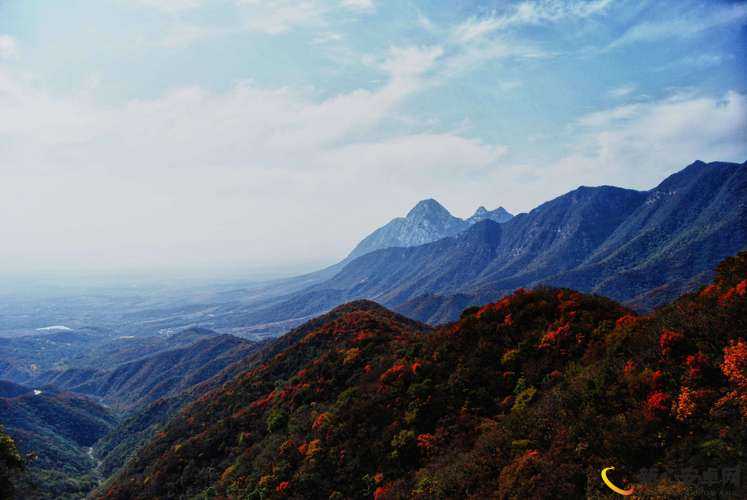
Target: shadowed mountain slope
639,247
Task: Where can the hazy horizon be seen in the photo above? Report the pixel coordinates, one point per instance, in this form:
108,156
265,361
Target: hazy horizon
239,138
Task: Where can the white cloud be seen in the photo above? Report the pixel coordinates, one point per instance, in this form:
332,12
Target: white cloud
8,47
637,145
275,17
634,146
272,17
622,90
421,157
184,35
469,56
426,23
697,62
706,60
683,25
170,5
477,28
529,13
327,37
509,85
609,116
478,40
361,5
250,175
256,175
675,131
411,61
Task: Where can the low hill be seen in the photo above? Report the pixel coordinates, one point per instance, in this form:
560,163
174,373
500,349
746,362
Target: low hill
58,428
29,359
166,373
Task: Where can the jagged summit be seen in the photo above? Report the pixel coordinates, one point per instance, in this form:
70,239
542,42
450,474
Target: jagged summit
500,214
426,222
428,208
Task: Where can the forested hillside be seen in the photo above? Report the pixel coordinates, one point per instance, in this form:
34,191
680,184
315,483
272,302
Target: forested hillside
57,430
528,397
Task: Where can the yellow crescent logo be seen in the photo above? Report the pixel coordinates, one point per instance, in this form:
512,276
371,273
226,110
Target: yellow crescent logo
612,486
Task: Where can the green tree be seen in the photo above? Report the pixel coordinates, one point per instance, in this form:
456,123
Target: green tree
11,464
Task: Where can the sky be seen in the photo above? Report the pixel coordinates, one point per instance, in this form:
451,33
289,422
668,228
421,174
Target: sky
208,135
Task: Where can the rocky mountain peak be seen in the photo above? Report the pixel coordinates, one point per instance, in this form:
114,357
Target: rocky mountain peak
428,209
500,214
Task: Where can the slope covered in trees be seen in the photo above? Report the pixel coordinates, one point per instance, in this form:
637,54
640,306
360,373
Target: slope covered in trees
138,427
528,397
57,429
75,440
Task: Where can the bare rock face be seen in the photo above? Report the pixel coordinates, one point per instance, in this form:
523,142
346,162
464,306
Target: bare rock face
428,221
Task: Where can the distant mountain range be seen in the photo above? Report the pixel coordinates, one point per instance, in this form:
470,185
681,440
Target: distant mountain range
32,359
165,373
640,247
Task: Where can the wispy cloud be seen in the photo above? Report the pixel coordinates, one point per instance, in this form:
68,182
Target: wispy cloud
509,85
183,35
697,62
481,39
426,23
274,17
465,57
207,162
360,5
193,157
328,37
634,146
529,13
622,91
8,47
688,24
411,61
637,139
607,117
169,5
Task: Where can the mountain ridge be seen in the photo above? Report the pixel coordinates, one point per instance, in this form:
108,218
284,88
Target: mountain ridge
636,246
158,375
426,222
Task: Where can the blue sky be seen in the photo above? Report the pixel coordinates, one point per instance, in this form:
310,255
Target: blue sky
198,134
